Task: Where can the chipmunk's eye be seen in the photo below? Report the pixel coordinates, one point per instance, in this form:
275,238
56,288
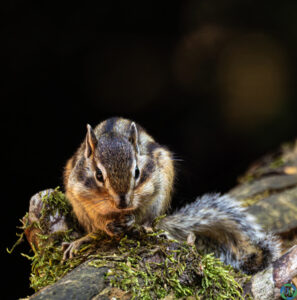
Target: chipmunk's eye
136,174
99,175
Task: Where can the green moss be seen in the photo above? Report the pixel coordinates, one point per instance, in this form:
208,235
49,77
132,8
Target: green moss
47,255
53,205
56,202
246,178
278,162
152,267
270,166
146,264
218,277
246,202
46,264
20,236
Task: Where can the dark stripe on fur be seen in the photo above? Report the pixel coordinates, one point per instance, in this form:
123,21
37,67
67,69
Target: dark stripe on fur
80,170
90,183
146,171
109,125
152,146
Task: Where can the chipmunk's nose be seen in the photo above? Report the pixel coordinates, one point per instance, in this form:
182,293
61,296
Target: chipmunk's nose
123,201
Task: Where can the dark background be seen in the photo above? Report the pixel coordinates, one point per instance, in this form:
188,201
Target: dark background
213,80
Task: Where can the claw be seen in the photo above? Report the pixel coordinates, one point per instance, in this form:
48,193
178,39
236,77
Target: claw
147,229
191,239
70,249
130,220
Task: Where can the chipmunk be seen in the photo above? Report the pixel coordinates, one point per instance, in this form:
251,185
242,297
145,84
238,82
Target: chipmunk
120,176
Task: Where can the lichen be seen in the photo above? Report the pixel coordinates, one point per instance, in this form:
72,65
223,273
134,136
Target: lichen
147,265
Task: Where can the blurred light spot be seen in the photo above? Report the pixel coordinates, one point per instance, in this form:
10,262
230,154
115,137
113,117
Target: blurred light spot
252,78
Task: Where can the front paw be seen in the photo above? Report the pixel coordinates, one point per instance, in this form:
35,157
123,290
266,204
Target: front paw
121,225
70,249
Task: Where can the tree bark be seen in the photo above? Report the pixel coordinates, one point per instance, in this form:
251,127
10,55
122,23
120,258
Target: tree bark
84,282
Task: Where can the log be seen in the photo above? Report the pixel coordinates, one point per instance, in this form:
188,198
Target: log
268,189
84,282
267,283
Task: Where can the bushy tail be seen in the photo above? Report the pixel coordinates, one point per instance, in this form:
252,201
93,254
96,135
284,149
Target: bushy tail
222,226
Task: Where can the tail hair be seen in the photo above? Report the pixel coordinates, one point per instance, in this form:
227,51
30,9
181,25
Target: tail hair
222,226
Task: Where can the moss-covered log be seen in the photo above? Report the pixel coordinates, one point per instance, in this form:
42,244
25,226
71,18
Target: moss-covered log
142,264
146,265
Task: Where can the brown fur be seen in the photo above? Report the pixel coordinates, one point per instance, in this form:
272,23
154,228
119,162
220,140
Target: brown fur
114,145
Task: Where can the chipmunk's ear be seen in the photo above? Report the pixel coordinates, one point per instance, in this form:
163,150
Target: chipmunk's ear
91,141
134,136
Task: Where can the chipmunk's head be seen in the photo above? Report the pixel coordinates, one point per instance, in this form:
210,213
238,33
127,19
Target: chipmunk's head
113,165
